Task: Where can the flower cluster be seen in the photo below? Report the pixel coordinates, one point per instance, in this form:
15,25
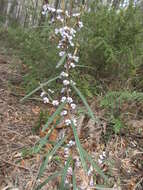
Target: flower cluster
66,35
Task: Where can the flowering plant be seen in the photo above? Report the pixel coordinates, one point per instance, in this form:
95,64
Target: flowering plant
69,24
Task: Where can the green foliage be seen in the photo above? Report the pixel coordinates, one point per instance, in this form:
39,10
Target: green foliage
119,97
111,42
37,52
117,125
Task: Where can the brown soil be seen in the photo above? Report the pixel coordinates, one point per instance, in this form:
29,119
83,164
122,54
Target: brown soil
124,153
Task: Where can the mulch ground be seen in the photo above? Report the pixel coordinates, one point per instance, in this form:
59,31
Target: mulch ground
124,160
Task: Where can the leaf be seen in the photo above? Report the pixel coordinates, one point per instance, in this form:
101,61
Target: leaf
56,174
79,148
49,156
61,62
74,181
38,88
84,101
51,119
95,166
64,173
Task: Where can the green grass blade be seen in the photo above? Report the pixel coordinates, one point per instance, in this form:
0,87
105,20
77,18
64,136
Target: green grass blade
85,66
49,156
53,176
79,148
74,181
61,62
84,101
64,173
51,119
38,88
95,166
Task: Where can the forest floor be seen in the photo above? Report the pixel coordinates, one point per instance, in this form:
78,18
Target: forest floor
18,170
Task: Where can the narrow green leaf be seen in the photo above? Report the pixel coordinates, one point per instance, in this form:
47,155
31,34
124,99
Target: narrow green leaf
79,148
49,156
38,88
61,62
51,119
64,173
84,101
56,174
74,181
95,166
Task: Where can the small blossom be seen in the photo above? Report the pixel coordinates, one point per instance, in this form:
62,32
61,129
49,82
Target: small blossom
63,113
44,13
64,74
63,90
69,100
72,65
63,99
66,82
73,106
71,143
80,24
59,11
74,121
68,122
76,14
42,94
69,171
56,31
76,59
55,102
46,100
61,53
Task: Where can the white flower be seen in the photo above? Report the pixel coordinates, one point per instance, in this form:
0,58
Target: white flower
72,65
63,113
66,82
100,161
63,99
64,74
55,102
74,121
66,151
63,90
56,30
44,13
76,14
71,143
104,153
69,100
42,94
45,7
80,24
59,11
46,100
67,14
73,106
69,171
61,53
101,157
76,59
68,122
